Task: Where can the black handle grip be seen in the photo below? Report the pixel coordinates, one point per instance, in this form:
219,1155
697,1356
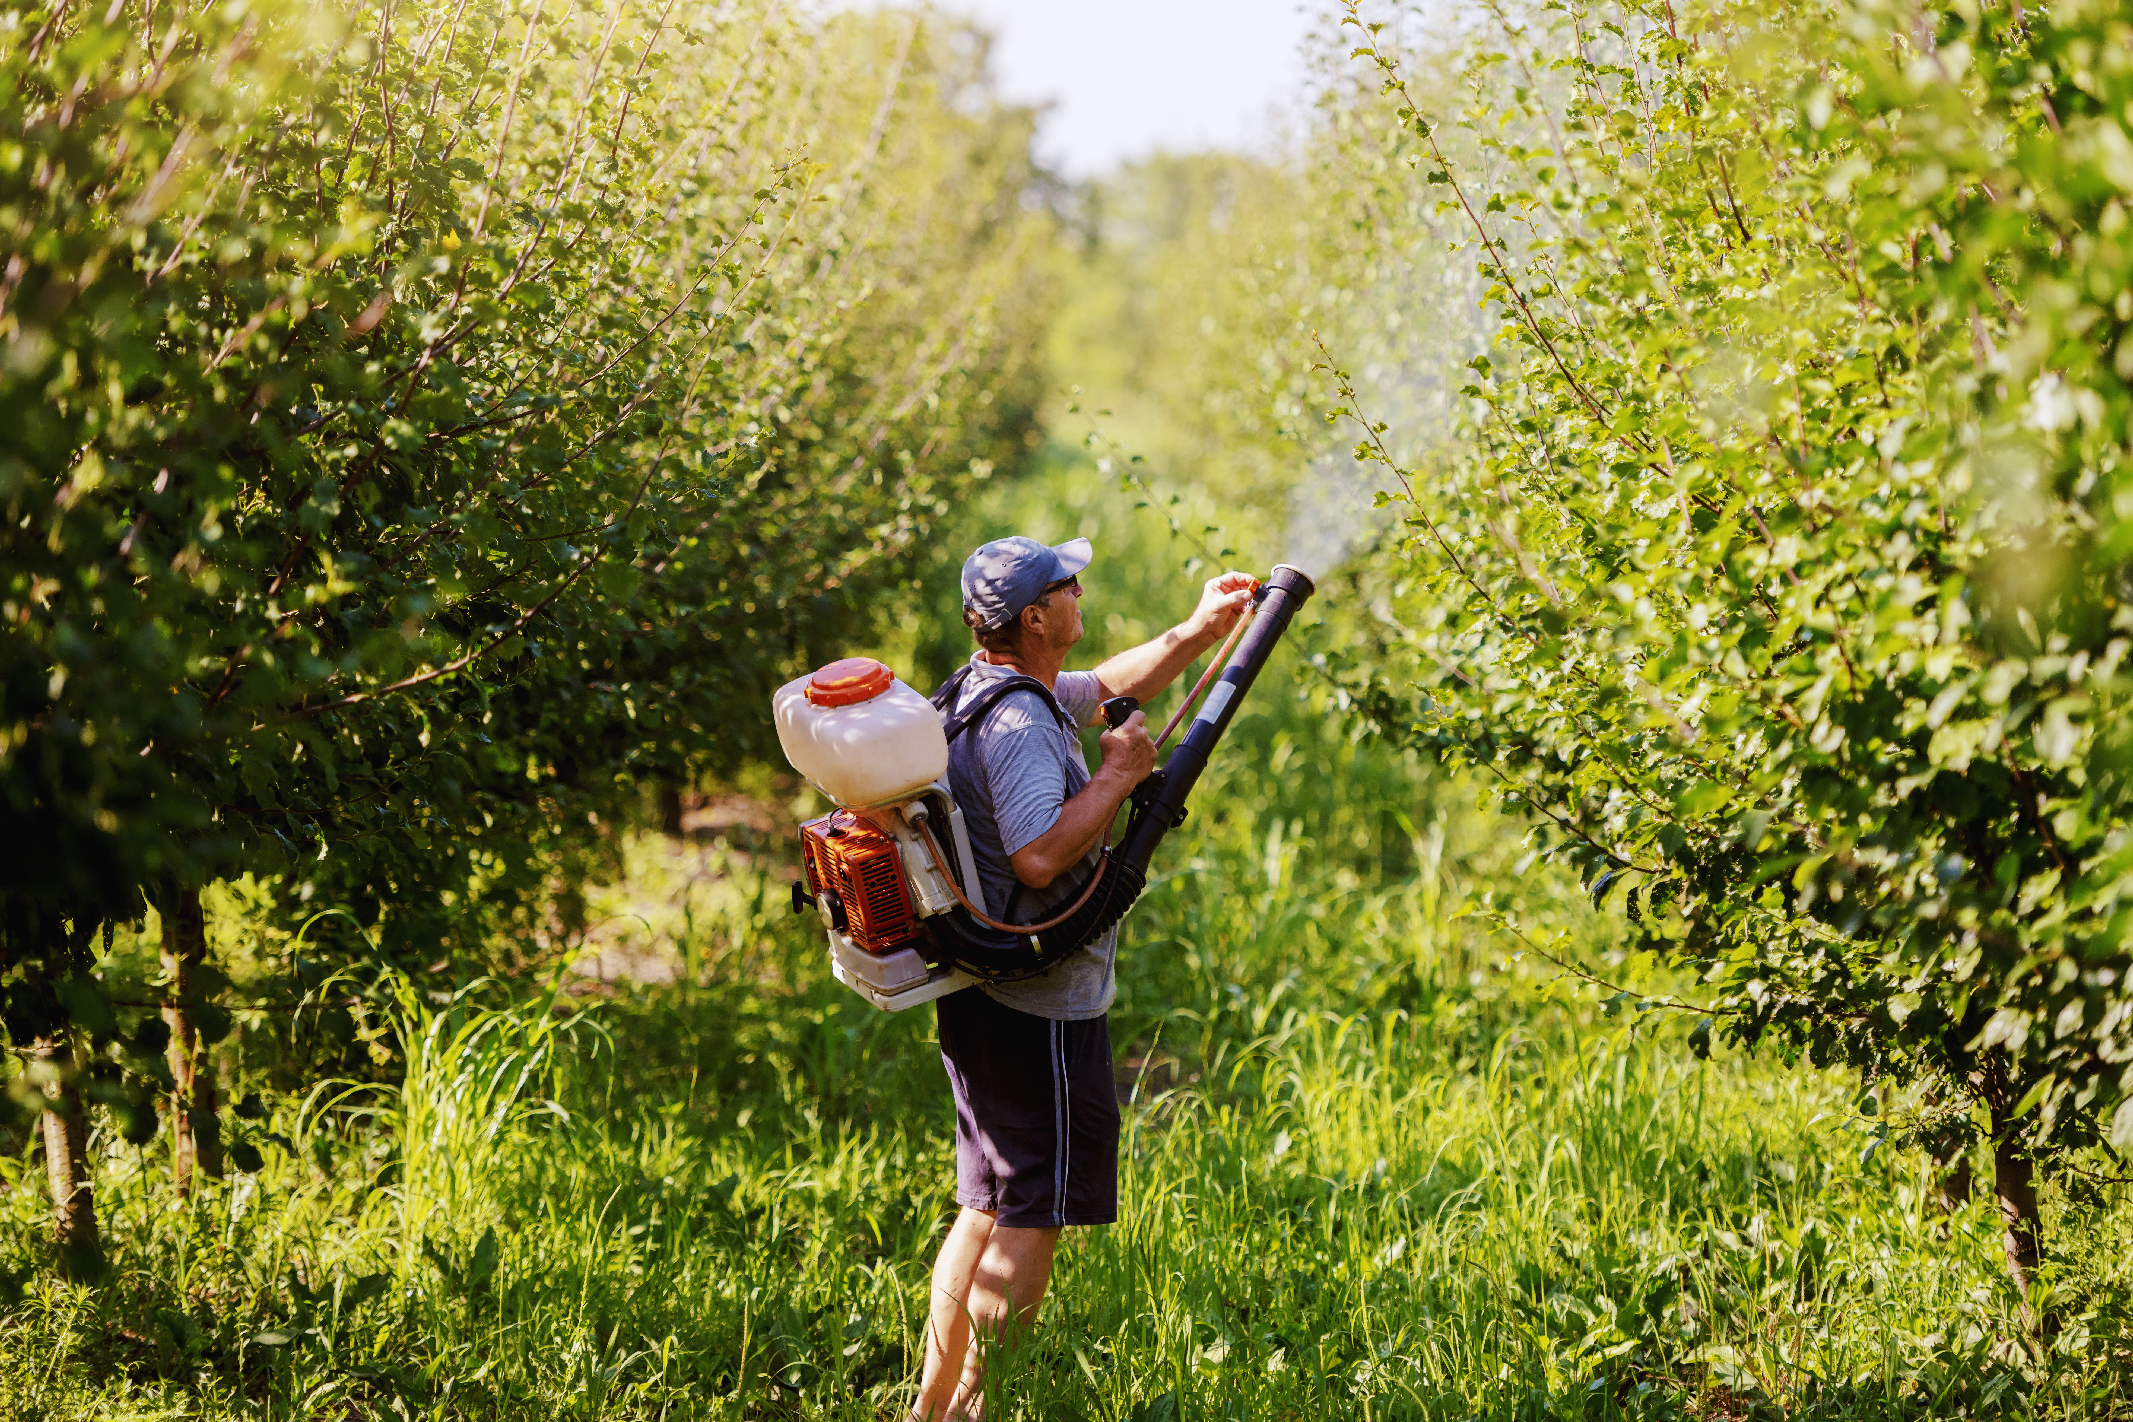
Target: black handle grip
1117,709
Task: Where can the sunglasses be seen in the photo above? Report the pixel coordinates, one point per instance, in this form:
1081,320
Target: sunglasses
1070,584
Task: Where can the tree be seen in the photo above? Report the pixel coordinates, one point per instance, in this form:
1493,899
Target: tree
1784,582
421,415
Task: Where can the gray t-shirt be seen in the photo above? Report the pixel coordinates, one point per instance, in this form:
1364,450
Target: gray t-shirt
1011,775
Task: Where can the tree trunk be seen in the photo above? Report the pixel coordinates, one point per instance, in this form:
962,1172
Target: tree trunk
66,1143
2014,1181
196,1141
670,810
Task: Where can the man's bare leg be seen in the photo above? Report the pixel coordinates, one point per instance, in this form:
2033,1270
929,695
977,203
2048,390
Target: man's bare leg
1010,1283
948,1313
988,1277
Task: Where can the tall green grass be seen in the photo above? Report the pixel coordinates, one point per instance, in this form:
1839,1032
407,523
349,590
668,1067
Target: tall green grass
1469,1206
1378,1164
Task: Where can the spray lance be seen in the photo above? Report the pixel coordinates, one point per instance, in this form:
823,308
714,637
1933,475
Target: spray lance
891,872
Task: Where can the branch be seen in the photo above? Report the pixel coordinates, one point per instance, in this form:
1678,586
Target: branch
1575,971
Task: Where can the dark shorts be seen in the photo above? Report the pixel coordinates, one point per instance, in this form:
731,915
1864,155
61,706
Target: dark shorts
1036,1123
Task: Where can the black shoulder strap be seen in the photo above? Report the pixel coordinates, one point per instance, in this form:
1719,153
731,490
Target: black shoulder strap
954,722
944,695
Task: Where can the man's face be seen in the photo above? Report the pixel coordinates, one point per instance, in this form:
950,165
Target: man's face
1058,621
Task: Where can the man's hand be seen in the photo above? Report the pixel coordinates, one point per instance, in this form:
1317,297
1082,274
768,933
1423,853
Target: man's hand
1222,602
1127,752
1145,670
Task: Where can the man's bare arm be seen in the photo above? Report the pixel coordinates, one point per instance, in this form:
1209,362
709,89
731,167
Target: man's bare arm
1142,672
1128,756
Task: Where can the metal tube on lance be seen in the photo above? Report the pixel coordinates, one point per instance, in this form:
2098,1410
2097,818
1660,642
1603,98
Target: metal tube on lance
1285,590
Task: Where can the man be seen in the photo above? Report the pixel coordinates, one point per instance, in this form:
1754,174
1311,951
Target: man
1029,1062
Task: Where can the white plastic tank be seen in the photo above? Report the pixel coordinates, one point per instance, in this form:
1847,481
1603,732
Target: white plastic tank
859,735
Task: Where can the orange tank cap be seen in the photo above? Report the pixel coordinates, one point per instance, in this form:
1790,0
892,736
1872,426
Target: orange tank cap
849,682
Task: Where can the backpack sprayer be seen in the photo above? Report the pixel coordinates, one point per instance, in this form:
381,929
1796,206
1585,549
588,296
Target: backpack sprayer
890,869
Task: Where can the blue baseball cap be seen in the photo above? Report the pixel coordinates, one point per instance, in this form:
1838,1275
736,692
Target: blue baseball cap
1007,574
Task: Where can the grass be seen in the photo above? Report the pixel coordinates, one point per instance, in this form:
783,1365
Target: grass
1378,1165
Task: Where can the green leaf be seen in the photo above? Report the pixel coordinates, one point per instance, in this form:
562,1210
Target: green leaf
1701,798
211,1021
616,581
1162,1408
83,999
2121,1134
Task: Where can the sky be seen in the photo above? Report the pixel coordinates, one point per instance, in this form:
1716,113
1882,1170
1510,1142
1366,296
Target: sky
1128,78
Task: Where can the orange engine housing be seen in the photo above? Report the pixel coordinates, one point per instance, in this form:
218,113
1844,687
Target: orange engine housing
858,871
